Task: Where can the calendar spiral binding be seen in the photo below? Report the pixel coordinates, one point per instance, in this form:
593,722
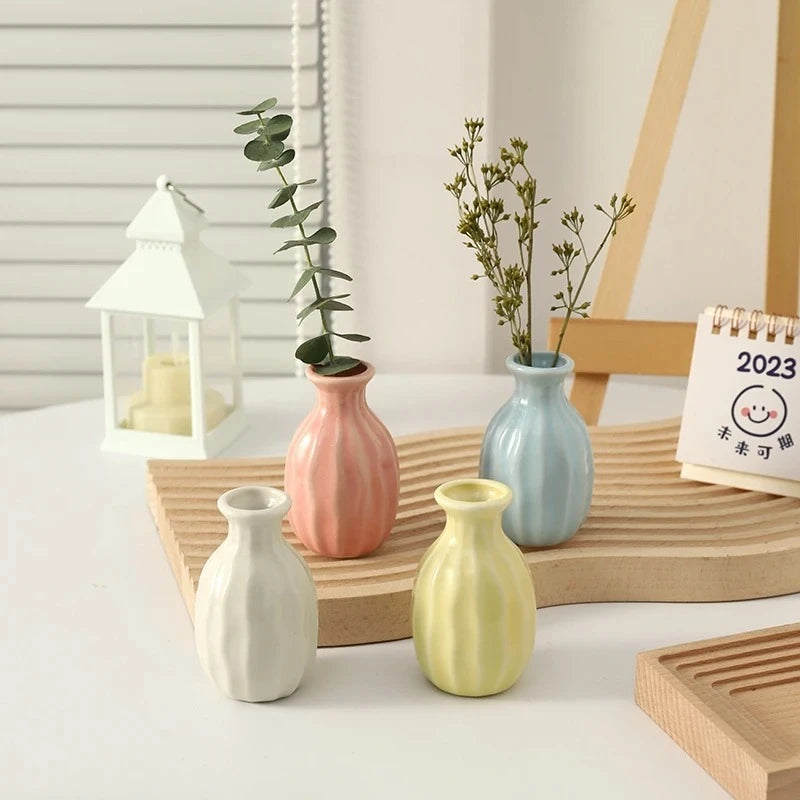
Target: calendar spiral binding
754,322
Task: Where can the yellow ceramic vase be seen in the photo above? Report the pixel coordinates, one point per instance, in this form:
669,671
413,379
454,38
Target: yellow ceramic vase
473,610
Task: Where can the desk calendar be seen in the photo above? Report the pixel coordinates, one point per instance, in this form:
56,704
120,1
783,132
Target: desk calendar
741,418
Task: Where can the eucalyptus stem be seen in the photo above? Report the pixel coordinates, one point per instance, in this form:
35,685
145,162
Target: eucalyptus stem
269,150
310,264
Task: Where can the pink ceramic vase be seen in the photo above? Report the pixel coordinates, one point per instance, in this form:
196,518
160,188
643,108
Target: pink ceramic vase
341,470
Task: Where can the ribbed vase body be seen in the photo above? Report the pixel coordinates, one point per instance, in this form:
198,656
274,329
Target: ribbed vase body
255,611
539,445
473,607
341,471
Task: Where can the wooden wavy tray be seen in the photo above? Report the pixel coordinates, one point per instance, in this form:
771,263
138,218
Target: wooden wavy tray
733,705
650,536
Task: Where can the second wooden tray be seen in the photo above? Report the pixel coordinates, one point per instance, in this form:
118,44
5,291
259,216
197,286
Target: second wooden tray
733,704
650,534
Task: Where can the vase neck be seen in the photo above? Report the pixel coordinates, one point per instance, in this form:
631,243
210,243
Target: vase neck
474,508
339,397
254,515
474,529
255,535
338,393
541,381
530,387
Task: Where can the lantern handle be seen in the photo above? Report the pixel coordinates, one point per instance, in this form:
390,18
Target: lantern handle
163,182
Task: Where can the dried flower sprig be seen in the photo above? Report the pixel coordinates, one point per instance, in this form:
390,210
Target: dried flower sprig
269,151
481,216
479,221
569,298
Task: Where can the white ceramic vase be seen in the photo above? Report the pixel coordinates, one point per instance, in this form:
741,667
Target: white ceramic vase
255,611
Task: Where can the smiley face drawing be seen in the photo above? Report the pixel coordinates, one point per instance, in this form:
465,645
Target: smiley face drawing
759,411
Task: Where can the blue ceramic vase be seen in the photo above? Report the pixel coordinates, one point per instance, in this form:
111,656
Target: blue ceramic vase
538,444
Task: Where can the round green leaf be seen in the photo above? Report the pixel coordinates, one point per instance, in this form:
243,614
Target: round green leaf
325,304
352,337
287,222
318,303
286,157
293,243
278,127
298,218
265,105
305,276
312,354
334,305
334,273
305,312
322,236
283,195
258,150
248,127
339,365
313,350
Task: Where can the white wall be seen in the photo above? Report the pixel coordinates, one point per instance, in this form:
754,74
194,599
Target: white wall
403,76
573,77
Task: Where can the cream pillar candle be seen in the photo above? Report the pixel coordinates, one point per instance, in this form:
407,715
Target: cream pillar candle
165,379
165,403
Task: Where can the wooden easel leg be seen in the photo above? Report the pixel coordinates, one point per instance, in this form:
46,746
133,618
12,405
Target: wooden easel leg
783,254
644,182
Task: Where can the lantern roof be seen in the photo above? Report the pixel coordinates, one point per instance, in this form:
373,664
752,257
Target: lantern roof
171,273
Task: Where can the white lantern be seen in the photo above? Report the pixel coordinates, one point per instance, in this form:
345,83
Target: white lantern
171,301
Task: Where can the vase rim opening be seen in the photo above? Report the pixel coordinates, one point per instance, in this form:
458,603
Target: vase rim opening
244,501
473,493
357,378
542,364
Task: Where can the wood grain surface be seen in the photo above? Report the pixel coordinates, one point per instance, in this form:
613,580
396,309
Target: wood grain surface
650,535
626,346
733,704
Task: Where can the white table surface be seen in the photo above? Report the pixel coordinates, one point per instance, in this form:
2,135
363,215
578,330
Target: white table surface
102,695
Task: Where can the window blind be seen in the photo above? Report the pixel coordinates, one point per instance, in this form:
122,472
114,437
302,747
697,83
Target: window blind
97,99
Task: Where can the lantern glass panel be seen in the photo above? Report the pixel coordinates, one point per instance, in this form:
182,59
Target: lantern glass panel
152,374
218,358
128,354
